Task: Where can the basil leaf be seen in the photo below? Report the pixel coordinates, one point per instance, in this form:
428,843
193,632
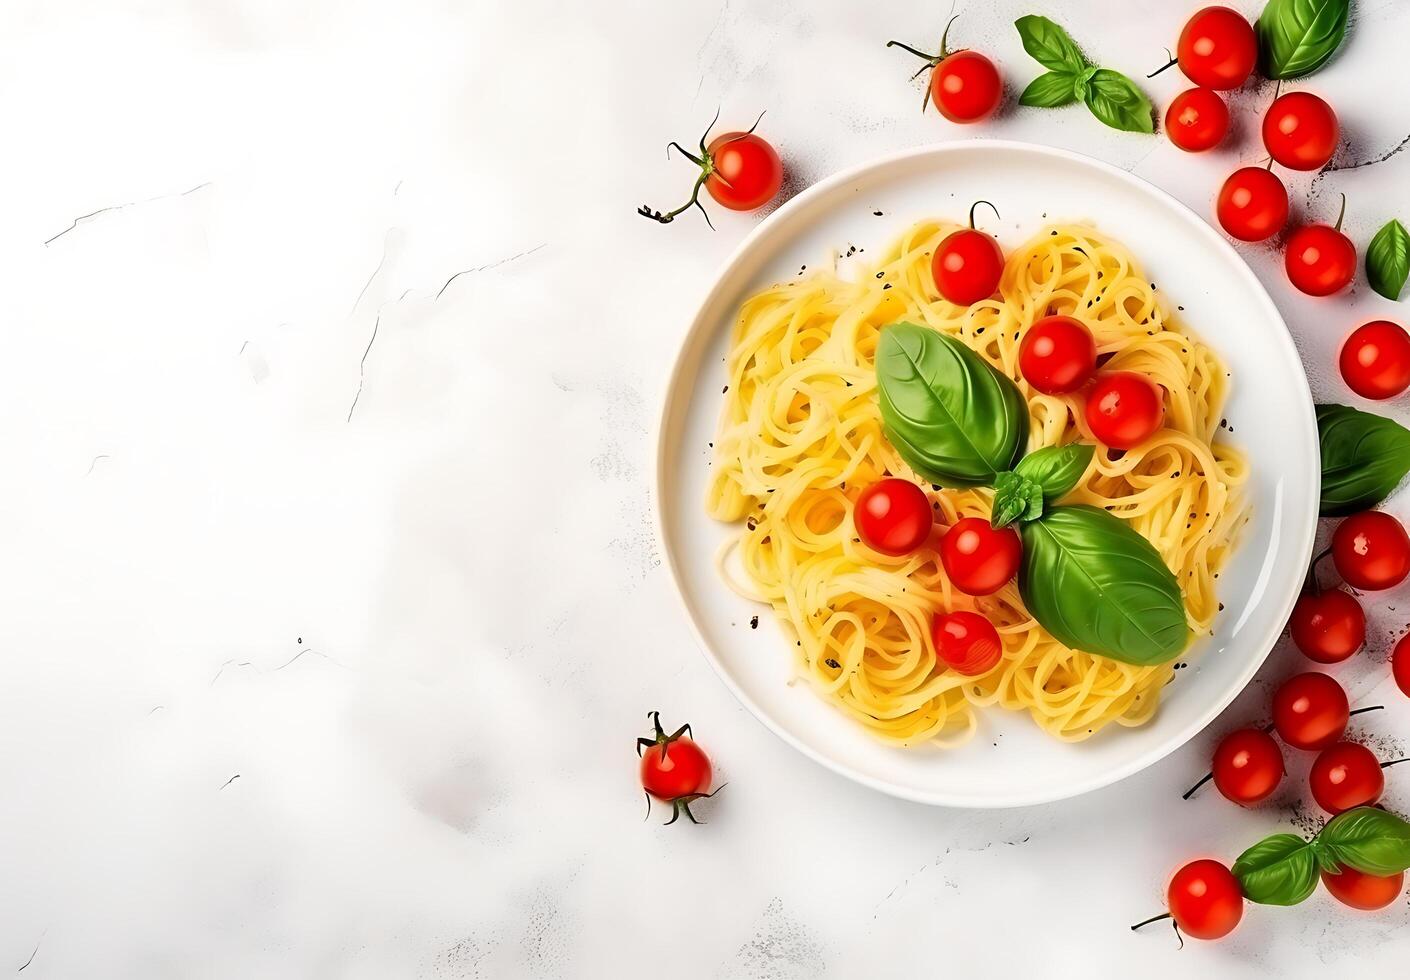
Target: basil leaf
1050,90
954,419
1278,870
1015,498
1094,583
1364,457
1049,45
1057,469
1296,37
1368,839
1388,260
1116,101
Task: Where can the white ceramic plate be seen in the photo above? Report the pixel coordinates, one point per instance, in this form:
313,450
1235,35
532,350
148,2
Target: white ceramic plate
1010,762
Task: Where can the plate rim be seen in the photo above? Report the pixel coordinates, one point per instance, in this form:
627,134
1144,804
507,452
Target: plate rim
673,393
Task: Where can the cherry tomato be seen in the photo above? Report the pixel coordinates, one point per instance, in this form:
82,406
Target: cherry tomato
1057,355
1124,409
1328,627
674,769
966,642
1253,204
979,558
1359,890
1300,131
1320,260
966,87
1371,551
1248,766
1310,711
740,170
893,517
1217,48
968,264
1205,899
1344,776
1375,360
1197,120
1400,664
747,172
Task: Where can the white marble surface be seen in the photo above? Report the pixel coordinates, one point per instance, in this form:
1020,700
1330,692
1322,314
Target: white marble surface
280,504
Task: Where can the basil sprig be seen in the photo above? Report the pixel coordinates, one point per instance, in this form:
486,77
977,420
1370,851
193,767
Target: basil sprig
1388,259
1111,96
1041,477
1364,458
1296,37
1282,869
954,419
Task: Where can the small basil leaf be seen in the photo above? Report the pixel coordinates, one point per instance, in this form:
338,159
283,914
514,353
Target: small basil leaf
1057,469
1010,501
1388,260
1034,509
1050,90
1079,85
1094,583
1364,457
1049,45
1116,101
953,418
1373,841
1296,37
1278,870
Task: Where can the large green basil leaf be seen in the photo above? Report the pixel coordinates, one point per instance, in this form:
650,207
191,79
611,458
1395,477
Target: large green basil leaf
1370,840
1056,468
1049,45
1364,457
952,417
1050,90
1296,37
1097,585
1118,102
1278,870
1388,259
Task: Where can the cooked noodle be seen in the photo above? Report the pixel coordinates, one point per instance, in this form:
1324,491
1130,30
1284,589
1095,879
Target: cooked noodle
801,436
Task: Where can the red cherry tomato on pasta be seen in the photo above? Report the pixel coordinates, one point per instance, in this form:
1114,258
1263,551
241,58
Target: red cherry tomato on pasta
1358,890
1205,900
1328,627
978,558
674,769
1252,205
1197,120
1310,711
893,516
966,87
1300,131
1320,260
1344,776
967,266
1057,355
966,642
1248,766
1400,664
1217,48
1371,551
1124,409
1375,360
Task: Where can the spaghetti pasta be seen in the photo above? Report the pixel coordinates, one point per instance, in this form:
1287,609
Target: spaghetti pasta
801,435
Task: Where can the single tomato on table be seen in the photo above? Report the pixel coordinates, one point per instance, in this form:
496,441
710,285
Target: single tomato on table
964,85
1300,131
1375,360
1400,664
1057,355
1252,205
1344,776
1320,260
1358,890
1328,626
740,170
1310,711
1248,766
1205,900
1197,120
674,769
1217,48
980,559
1124,409
1371,551
893,517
